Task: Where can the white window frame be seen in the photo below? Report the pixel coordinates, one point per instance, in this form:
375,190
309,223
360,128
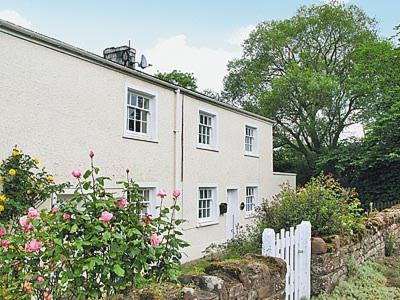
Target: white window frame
251,213
152,122
152,188
213,146
254,152
213,219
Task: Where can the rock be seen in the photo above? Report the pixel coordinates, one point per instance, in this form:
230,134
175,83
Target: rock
189,294
318,246
212,283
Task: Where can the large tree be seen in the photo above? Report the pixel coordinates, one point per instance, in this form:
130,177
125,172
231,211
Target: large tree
298,72
186,80
372,165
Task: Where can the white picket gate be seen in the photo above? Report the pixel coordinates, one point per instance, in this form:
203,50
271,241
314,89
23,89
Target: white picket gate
293,246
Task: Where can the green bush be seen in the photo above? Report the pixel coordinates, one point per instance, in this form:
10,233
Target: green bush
23,184
329,207
91,246
369,283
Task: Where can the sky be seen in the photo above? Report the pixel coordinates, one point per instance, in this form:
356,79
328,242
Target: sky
200,36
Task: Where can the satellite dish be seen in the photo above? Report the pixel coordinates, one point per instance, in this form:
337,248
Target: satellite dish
143,62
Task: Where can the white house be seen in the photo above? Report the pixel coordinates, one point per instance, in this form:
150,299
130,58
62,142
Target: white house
58,101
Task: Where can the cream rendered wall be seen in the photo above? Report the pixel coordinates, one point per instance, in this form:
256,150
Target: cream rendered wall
226,168
59,107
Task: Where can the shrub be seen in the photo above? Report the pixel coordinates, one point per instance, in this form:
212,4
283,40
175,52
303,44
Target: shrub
329,207
91,246
23,184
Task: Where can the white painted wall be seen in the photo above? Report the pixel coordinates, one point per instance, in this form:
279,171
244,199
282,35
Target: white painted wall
58,107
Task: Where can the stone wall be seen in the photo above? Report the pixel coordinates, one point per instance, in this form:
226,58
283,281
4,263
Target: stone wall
333,257
251,278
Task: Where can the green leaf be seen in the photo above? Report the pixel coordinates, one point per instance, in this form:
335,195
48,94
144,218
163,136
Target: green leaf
87,174
74,228
117,269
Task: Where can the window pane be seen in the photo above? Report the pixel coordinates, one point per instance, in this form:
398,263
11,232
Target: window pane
140,101
131,125
138,114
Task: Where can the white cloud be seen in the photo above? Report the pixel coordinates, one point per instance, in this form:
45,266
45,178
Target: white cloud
14,17
207,64
240,34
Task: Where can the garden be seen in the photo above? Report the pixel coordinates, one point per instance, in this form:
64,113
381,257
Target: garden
89,247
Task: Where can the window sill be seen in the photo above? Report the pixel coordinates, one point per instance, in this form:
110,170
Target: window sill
250,215
206,223
252,155
201,147
138,137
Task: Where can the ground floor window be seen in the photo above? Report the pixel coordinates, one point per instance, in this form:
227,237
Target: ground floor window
251,197
206,203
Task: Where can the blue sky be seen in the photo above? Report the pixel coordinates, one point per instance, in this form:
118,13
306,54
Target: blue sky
196,36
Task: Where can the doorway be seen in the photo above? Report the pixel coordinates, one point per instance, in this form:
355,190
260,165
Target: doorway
232,215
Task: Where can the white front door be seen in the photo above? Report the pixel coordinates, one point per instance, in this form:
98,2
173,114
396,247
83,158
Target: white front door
232,215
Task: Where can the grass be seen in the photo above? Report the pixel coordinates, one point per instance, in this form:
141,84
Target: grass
377,280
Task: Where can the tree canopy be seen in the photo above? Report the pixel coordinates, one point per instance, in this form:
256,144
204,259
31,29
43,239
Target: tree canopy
186,80
300,72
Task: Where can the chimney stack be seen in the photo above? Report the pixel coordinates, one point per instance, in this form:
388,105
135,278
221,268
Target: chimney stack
123,55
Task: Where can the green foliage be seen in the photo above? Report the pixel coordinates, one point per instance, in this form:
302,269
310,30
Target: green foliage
371,165
329,207
245,241
23,184
369,283
391,245
92,246
298,72
186,80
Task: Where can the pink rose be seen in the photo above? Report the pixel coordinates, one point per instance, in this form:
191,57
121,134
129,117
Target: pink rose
66,217
33,213
55,210
106,216
2,232
5,243
25,224
76,173
33,246
40,279
161,193
176,193
91,154
154,240
120,203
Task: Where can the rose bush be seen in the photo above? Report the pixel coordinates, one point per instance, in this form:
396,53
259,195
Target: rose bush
23,184
90,246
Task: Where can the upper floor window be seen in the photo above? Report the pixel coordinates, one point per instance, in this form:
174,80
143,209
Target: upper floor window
250,140
206,204
251,198
207,137
140,115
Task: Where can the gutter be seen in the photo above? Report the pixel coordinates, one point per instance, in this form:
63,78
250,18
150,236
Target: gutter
59,46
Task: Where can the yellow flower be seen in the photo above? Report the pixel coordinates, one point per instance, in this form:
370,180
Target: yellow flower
50,178
1,208
12,172
11,247
15,152
36,160
20,248
3,197
28,192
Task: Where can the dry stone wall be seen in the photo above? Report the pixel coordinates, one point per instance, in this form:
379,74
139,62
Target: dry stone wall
254,277
331,261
